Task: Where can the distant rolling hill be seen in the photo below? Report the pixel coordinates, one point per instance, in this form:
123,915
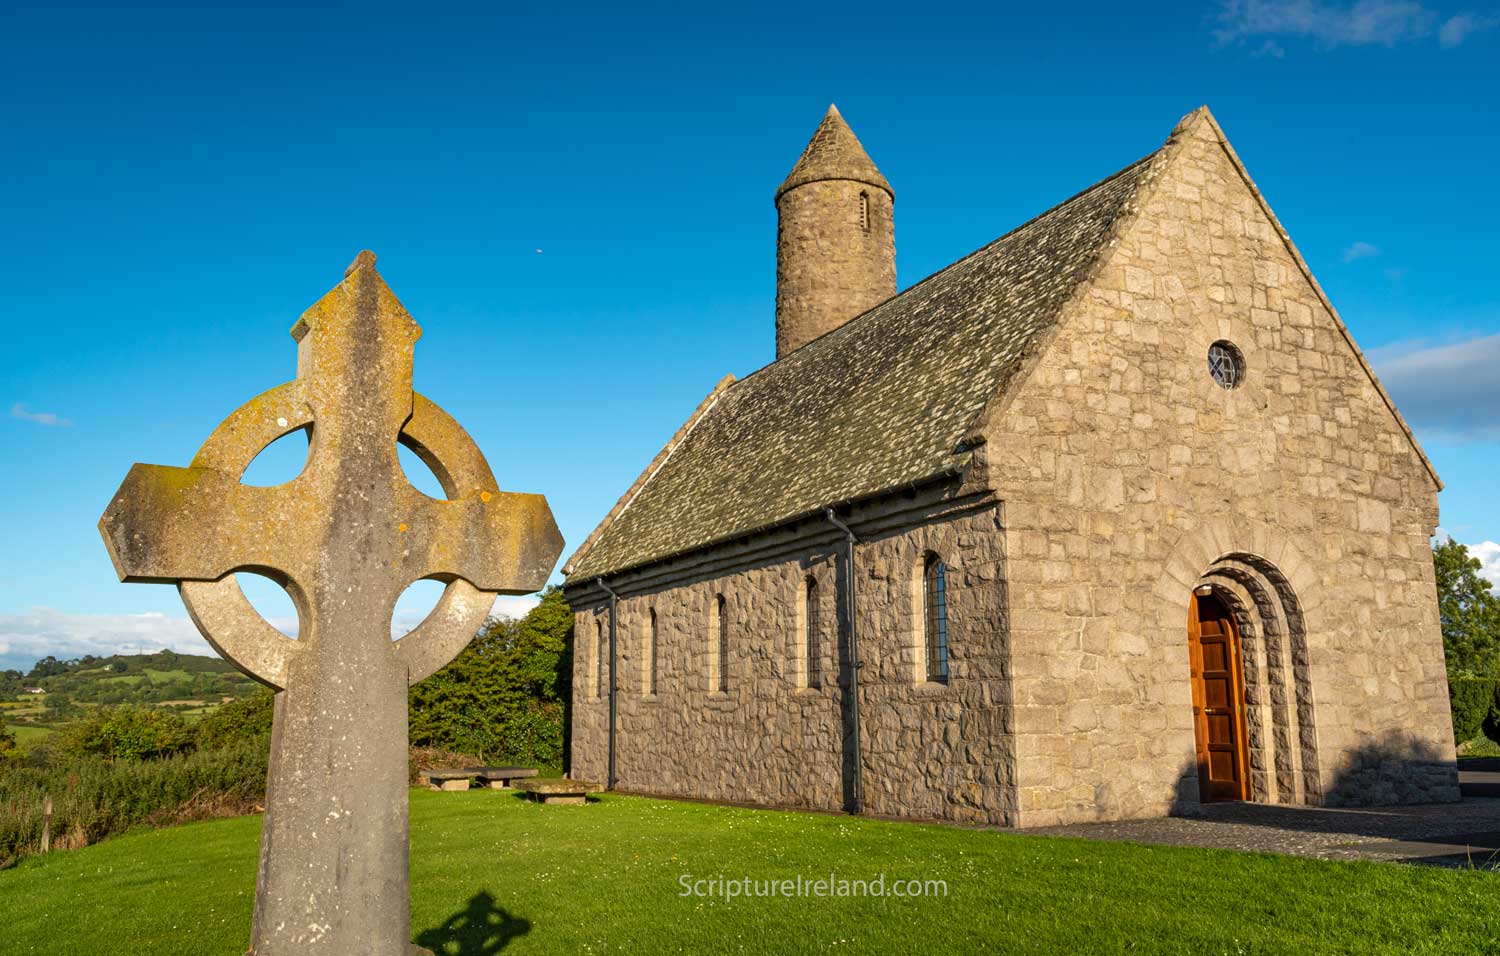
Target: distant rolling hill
186,681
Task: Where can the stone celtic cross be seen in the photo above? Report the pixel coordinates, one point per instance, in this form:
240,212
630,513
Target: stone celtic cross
345,538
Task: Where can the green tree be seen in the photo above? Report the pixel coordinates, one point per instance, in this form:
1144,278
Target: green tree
1469,612
542,641
502,698
130,733
236,721
48,666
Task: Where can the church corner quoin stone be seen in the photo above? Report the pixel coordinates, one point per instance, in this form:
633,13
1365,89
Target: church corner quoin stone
345,538
1154,577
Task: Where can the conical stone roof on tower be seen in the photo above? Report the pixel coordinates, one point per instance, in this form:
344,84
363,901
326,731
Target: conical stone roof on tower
834,152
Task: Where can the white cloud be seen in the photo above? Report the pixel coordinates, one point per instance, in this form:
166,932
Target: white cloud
1360,250
515,606
1449,391
508,606
1456,30
40,631
1362,23
19,410
1488,553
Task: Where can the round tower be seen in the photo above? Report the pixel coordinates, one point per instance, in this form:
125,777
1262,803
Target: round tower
835,237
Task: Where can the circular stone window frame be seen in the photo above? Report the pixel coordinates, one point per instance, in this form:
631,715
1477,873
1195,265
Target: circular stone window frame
1237,360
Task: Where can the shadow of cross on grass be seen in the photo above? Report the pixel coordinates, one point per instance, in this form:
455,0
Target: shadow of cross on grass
479,929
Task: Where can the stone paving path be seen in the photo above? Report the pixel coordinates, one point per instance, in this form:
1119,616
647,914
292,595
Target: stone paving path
1436,834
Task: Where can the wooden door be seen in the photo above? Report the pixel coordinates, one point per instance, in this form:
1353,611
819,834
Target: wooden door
1218,701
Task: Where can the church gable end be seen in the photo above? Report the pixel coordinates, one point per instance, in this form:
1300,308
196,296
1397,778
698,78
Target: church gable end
1130,453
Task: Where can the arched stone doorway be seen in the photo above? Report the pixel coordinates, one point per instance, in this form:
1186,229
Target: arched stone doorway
1279,735
1271,590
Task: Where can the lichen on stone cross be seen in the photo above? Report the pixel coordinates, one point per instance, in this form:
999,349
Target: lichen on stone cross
345,537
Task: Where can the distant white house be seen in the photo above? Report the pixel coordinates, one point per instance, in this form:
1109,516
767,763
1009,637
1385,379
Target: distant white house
32,690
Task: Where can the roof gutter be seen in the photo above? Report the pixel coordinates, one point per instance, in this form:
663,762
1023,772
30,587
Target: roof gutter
857,790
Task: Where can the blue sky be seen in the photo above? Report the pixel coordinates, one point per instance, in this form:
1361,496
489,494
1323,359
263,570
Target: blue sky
578,209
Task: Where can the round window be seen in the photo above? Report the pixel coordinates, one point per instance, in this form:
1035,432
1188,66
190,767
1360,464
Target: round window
1226,364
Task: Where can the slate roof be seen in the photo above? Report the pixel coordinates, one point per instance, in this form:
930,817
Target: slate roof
877,404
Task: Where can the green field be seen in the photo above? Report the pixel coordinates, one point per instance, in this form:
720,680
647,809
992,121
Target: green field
26,733
149,674
145,679
489,870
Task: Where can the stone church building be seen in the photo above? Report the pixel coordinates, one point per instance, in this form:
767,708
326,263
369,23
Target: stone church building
1104,520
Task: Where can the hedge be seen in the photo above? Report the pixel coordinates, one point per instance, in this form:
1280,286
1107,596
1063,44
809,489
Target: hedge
1476,706
94,798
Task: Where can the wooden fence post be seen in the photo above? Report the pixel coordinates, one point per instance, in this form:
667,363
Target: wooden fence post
47,823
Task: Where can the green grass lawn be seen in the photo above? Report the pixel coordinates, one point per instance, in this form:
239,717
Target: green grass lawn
489,868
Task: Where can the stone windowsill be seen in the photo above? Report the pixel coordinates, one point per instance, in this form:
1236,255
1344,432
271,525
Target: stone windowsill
933,688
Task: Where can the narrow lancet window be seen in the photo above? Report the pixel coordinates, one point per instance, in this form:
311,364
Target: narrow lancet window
812,646
649,688
721,640
601,651
935,617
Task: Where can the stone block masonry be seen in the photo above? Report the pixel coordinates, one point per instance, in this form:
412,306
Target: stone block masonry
936,751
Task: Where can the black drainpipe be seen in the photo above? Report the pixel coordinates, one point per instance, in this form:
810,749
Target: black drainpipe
613,684
854,663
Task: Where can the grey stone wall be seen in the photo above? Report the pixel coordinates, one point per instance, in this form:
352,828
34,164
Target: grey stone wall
928,750
1130,476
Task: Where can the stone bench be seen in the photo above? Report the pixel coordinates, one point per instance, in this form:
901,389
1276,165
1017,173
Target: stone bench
496,778
558,790
448,779
499,778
